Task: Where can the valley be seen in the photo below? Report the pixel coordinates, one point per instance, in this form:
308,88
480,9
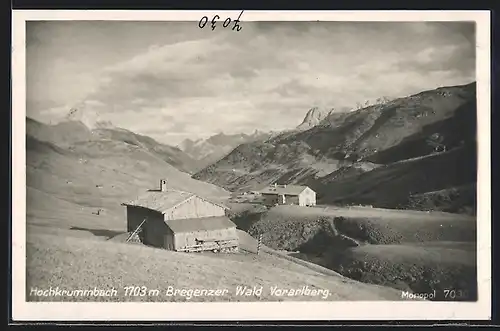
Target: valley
208,151
395,185
75,228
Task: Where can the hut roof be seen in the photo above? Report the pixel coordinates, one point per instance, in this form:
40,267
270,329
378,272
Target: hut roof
163,201
200,224
160,201
284,189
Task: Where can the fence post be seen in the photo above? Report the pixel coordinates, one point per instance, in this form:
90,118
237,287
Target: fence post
259,243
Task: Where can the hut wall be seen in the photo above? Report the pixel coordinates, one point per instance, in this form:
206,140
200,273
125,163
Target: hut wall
195,208
307,198
292,199
169,240
135,216
155,231
190,239
151,233
269,199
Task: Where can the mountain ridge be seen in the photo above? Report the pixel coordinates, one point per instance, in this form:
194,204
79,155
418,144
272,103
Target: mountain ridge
73,133
356,140
314,116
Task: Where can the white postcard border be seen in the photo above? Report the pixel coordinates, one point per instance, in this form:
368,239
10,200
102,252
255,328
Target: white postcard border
351,310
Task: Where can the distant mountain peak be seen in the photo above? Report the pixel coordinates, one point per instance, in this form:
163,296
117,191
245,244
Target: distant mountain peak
215,147
313,117
88,115
104,125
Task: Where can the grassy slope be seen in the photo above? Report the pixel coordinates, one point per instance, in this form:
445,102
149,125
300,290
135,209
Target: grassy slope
460,199
454,131
103,174
63,134
419,268
75,263
289,227
65,188
407,250
172,155
68,246
50,214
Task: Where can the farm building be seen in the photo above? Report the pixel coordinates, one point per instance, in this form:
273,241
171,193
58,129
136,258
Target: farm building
288,195
180,221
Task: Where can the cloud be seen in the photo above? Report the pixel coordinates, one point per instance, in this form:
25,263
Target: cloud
173,81
458,57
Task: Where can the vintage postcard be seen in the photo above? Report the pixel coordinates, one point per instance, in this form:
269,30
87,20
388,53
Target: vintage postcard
248,165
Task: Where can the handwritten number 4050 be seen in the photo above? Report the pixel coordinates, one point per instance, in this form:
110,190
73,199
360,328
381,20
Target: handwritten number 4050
204,20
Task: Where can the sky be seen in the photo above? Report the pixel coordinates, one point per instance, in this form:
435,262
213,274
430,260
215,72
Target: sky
173,80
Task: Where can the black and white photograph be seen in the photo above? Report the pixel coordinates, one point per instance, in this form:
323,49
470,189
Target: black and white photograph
250,157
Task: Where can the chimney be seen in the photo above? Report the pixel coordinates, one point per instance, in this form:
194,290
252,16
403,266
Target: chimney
163,185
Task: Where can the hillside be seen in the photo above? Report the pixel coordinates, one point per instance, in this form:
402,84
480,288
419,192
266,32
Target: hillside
74,263
63,134
212,149
371,144
406,250
172,155
404,180
62,237
73,133
102,173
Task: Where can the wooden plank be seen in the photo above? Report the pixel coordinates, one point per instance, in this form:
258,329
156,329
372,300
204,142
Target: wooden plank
136,230
216,240
209,246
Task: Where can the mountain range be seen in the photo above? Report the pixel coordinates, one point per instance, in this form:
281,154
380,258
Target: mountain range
392,154
212,149
416,152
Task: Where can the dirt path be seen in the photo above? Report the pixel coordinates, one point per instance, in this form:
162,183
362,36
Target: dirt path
352,241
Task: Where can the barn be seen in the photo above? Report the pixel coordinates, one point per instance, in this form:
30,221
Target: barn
288,195
180,221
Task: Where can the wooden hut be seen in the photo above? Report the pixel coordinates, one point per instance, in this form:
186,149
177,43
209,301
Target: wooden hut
288,195
180,221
